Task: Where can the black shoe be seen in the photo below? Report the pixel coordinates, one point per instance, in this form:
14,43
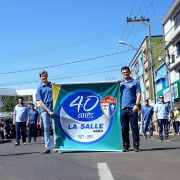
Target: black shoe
151,137
35,140
126,147
136,147
145,137
160,139
17,144
46,151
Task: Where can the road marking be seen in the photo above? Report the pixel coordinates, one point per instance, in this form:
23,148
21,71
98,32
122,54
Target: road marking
104,172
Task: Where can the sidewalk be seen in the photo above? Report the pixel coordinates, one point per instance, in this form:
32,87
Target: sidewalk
156,134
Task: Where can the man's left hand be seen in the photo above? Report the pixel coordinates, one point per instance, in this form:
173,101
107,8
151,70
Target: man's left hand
135,109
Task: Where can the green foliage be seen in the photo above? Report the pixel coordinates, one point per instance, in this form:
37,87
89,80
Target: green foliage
9,104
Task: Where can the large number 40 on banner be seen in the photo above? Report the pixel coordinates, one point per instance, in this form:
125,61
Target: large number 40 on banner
87,116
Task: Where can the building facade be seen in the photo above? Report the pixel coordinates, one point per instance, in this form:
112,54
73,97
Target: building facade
171,37
141,66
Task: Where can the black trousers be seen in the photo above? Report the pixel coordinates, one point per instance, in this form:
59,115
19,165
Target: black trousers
32,131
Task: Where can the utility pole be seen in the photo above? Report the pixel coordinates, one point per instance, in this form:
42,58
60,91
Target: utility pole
168,63
150,50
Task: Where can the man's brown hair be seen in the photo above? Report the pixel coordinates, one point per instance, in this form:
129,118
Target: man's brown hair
42,72
125,68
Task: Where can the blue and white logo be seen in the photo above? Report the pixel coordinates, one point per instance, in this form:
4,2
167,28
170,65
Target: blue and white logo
81,117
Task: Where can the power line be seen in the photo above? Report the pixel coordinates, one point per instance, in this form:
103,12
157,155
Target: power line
133,28
62,64
67,74
65,77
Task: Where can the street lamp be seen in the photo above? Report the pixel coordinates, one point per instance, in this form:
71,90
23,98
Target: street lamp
136,49
122,42
169,78
152,66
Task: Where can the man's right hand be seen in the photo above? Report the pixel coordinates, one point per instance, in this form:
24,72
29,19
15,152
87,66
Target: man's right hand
51,113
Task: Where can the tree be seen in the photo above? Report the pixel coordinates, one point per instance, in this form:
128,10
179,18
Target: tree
9,104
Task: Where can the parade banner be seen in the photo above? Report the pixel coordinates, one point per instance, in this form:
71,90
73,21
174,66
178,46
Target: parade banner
87,116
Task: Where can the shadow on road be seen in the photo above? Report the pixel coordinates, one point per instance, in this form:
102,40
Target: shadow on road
19,154
160,149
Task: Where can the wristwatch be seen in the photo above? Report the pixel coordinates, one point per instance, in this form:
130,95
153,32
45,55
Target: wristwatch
138,105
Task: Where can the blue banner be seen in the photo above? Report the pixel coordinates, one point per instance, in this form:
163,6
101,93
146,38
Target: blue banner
87,116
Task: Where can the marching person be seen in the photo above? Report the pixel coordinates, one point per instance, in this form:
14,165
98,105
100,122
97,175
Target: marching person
20,117
146,118
33,121
161,114
130,100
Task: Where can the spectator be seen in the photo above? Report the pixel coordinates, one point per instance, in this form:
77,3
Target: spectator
1,129
10,129
176,120
171,123
6,129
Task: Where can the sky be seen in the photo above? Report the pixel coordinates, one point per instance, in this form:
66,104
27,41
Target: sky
73,40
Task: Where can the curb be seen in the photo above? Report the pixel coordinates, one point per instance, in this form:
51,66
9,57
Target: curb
5,141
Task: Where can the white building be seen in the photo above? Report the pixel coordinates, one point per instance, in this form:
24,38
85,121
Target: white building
171,33
28,94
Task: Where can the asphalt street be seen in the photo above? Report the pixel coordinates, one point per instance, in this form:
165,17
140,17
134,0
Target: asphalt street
157,160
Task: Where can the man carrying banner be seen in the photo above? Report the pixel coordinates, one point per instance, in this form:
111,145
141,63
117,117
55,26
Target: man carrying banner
44,96
130,100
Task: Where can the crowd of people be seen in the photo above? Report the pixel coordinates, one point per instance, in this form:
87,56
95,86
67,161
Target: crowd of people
148,124
159,117
7,130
